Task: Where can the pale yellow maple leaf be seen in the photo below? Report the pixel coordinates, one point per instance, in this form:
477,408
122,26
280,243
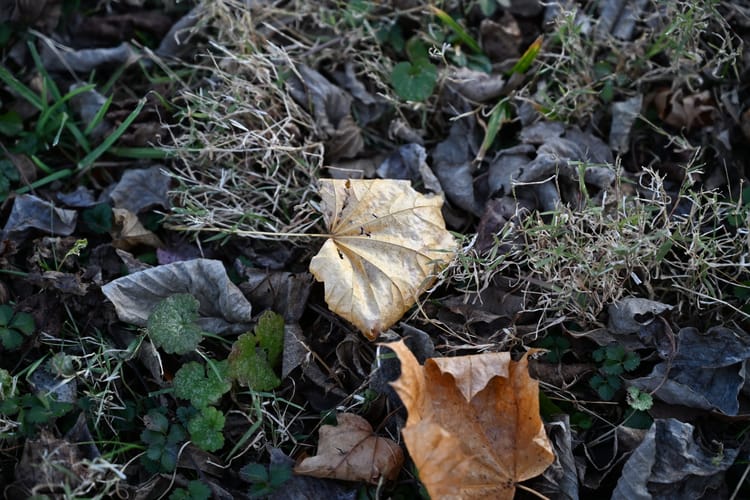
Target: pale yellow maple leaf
387,243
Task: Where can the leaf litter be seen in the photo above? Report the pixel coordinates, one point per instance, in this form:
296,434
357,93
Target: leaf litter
596,199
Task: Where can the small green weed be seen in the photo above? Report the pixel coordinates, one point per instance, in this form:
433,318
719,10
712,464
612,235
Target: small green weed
163,441
14,326
557,345
265,479
614,361
171,325
202,386
255,355
196,490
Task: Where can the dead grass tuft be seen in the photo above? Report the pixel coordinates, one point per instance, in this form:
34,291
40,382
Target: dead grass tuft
683,250
247,162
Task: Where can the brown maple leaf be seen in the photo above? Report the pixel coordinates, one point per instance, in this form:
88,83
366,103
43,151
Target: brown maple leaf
473,429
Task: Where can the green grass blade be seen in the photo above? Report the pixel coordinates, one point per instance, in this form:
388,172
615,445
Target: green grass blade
99,116
21,89
528,57
457,29
90,158
59,103
60,174
142,153
500,115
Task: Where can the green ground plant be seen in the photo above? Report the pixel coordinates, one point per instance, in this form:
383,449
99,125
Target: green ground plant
14,326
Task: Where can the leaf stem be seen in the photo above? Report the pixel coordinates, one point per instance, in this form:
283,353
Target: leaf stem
240,232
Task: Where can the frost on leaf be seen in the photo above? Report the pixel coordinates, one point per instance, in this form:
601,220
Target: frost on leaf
387,243
351,452
202,386
172,326
473,429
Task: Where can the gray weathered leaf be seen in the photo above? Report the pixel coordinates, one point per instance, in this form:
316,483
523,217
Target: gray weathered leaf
31,212
474,85
624,114
84,60
223,308
141,188
671,464
707,372
331,107
629,314
454,167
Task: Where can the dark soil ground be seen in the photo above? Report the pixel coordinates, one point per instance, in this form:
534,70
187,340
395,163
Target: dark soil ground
593,157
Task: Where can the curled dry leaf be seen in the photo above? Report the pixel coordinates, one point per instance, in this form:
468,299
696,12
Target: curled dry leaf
387,243
473,429
351,452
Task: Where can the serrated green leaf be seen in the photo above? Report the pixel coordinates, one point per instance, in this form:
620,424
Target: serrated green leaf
176,435
156,421
10,339
599,355
279,474
23,322
254,473
201,386
206,429
6,313
639,400
631,362
414,82
269,333
612,367
615,352
249,366
98,218
172,327
198,490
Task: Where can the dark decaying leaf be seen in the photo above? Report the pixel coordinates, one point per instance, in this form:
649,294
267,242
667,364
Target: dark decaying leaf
671,463
82,197
624,114
475,85
139,189
707,372
86,105
410,162
367,107
306,486
618,18
630,314
283,292
84,61
331,108
501,39
175,41
560,480
453,164
223,308
32,212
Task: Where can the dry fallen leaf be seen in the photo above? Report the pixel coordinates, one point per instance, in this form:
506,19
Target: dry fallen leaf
351,452
387,243
473,429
